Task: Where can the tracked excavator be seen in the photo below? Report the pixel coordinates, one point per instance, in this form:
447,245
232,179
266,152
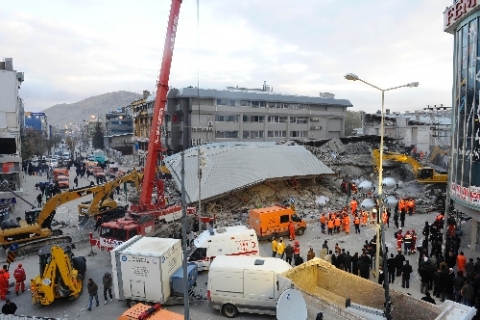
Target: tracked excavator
61,274
103,204
424,175
36,231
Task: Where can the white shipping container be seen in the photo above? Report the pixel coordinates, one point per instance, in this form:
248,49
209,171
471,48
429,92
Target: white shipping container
142,268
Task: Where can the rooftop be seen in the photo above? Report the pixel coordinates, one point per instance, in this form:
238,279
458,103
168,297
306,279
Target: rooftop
228,167
260,96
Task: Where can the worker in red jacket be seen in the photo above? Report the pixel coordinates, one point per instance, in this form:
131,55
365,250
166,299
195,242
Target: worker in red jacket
3,285
20,277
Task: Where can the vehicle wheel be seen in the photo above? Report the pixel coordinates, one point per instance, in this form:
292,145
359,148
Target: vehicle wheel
229,311
80,263
300,231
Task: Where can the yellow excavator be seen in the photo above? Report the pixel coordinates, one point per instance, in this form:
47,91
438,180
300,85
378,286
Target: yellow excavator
103,203
435,152
61,274
35,231
422,174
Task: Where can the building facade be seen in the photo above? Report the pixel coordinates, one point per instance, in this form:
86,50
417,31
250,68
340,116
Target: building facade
119,131
462,20
425,130
11,123
37,121
201,116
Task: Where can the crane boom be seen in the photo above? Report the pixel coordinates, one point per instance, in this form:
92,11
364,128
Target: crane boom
154,143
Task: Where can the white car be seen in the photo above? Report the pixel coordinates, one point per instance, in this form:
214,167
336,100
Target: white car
53,163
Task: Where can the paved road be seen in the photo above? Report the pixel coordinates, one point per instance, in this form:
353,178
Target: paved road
199,310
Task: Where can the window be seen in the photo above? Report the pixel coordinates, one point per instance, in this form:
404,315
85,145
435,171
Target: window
298,134
277,134
258,104
302,120
296,106
285,218
252,134
225,102
245,103
220,118
253,119
293,119
277,119
226,134
278,105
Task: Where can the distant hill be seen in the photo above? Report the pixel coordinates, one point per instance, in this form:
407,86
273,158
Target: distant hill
63,114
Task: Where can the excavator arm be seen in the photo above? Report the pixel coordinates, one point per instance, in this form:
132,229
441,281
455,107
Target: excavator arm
109,187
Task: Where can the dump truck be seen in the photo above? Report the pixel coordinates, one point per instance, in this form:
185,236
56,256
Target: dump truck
145,269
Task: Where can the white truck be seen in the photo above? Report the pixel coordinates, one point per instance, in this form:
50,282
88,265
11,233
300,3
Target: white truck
238,240
245,284
142,269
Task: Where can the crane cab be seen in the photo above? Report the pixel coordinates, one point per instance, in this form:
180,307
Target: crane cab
425,173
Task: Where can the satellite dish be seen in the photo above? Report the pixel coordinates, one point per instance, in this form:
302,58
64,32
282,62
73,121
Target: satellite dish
291,306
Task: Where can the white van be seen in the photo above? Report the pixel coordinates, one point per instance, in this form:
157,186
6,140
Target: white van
211,243
245,284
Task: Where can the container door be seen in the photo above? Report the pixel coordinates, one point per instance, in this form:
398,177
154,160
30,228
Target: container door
137,289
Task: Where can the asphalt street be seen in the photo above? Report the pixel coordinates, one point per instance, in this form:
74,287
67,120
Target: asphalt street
99,263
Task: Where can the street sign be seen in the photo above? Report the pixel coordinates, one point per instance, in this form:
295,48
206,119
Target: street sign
13,247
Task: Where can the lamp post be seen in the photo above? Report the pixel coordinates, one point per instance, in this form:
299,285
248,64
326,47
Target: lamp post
353,77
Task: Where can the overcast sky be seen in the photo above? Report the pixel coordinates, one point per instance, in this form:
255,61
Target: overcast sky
71,50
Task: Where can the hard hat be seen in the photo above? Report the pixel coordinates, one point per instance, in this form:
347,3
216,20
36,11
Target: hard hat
19,265
296,242
374,210
281,238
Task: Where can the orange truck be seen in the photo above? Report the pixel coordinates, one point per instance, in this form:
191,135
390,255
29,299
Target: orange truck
142,311
59,172
273,222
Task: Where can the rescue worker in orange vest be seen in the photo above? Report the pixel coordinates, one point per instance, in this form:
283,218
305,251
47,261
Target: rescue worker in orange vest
346,223
274,246
330,226
3,285
364,218
385,218
323,221
373,217
291,231
296,250
401,206
411,206
356,222
338,223
399,239
353,206
414,241
20,277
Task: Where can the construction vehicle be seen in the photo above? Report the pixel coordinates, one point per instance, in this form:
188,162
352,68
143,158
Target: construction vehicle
99,156
437,151
61,274
422,174
57,172
36,229
99,174
142,311
147,216
102,202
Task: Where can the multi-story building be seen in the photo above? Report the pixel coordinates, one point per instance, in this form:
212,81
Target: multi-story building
142,121
462,20
11,122
119,131
37,121
423,129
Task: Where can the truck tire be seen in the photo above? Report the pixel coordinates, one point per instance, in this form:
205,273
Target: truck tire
229,310
300,231
80,263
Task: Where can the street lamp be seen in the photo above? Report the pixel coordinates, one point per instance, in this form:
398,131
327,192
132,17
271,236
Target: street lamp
380,231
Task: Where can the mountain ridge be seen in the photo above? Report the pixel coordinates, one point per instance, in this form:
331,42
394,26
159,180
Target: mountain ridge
66,113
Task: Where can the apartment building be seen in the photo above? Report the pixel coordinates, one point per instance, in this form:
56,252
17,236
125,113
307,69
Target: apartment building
37,121
119,131
11,124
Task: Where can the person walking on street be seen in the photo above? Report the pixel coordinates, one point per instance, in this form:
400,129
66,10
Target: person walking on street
107,286
76,182
3,285
291,231
39,200
92,293
20,277
391,265
9,307
406,271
